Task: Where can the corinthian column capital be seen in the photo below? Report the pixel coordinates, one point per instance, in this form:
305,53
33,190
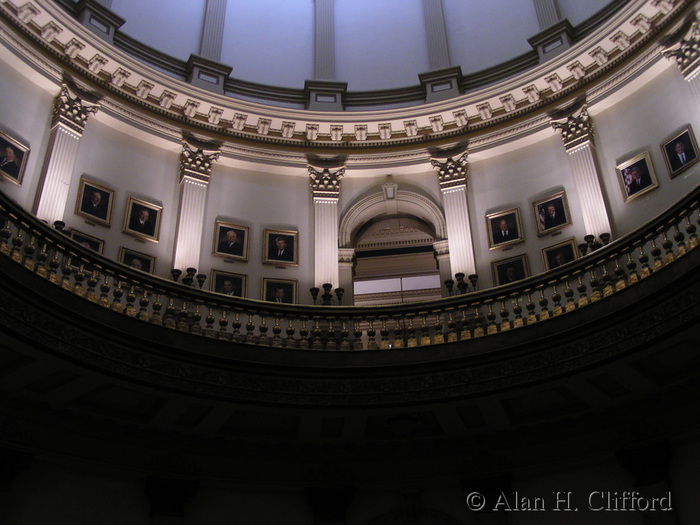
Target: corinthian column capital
576,129
686,52
72,107
196,160
452,171
325,183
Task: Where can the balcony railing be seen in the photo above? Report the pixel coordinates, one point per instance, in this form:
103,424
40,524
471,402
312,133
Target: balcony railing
608,270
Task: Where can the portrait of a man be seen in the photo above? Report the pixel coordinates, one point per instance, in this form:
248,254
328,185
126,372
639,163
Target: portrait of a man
280,247
226,283
231,240
137,260
279,291
142,219
95,202
510,270
681,151
88,241
504,228
552,213
12,158
637,176
559,254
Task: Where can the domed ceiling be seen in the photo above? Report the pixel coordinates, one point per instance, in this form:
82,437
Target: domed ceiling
378,44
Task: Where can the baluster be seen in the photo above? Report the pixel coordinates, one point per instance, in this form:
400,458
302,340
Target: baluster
79,278
504,313
29,252
543,302
398,332
66,272
105,287
54,264
117,293
290,342
17,242
249,328
209,319
344,335
644,260
452,334
5,234
569,294
196,319
357,335
479,321
412,341
304,333
92,281
371,335
276,331
384,332
157,318
223,324
596,294
620,276
633,276
581,289
262,329
316,341
668,246
608,288
236,325
40,268
656,253
492,327
424,331
439,336
169,317
556,297
517,310
680,242
466,329
144,300
690,229
130,309
182,316
331,335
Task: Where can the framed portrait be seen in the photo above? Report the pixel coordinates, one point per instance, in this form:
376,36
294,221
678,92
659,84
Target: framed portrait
94,202
142,219
280,247
279,290
637,176
552,213
88,241
227,283
13,158
506,271
137,260
231,241
505,228
559,254
680,151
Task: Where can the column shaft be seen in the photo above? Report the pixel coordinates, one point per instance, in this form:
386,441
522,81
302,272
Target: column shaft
583,166
459,230
547,13
324,40
346,267
326,241
188,241
61,156
213,30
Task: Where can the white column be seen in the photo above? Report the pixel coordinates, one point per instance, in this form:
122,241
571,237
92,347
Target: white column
213,30
346,268
452,174
577,134
325,186
547,13
70,114
324,40
195,168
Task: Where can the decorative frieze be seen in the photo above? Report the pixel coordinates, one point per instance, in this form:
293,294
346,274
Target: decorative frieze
144,89
325,183
120,76
73,111
452,172
196,161
73,47
311,131
49,31
27,12
576,129
461,118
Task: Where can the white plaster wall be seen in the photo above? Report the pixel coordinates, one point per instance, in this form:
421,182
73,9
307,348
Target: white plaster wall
379,43
174,28
132,168
270,42
25,114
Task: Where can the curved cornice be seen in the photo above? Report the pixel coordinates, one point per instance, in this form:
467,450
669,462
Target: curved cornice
253,130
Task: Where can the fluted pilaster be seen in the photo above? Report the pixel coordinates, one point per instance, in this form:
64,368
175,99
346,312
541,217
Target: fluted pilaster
452,175
213,31
442,254
436,34
325,186
577,134
346,268
69,117
547,12
324,40
195,169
